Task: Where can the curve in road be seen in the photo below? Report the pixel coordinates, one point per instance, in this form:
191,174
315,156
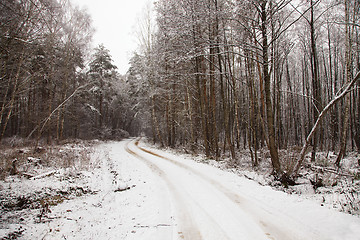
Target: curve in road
207,209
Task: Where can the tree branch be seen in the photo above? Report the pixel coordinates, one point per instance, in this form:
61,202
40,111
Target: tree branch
319,119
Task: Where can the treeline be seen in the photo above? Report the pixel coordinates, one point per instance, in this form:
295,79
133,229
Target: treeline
51,87
228,74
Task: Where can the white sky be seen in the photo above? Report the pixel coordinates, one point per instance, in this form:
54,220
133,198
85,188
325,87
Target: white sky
115,23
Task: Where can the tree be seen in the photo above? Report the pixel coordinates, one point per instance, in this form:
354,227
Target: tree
348,76
42,50
246,73
345,92
102,71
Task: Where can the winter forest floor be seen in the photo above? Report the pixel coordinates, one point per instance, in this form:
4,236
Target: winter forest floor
131,190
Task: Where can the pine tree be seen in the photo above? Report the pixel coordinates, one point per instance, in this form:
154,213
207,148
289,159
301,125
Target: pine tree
102,71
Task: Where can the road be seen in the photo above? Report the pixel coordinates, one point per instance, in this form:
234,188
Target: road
212,204
149,194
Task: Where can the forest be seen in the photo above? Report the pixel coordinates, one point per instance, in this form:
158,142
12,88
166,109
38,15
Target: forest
225,75
210,76
53,84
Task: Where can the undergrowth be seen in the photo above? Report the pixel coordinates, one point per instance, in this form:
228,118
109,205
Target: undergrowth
16,158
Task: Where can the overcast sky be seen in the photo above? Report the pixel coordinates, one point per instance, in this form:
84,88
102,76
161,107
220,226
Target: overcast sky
115,21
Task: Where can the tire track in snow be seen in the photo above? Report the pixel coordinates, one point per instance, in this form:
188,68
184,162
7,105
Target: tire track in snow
216,215
187,229
271,223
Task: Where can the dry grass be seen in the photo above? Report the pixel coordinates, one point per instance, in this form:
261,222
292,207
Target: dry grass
21,159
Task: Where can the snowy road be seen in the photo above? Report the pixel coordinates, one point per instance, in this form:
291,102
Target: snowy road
165,196
206,209
211,204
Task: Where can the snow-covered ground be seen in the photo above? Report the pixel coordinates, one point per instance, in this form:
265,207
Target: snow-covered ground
133,191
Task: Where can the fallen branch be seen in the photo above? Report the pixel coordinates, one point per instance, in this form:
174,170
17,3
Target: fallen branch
319,119
27,175
124,188
46,120
314,168
44,175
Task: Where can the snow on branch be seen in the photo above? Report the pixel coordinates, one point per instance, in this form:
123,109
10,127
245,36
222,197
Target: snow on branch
319,119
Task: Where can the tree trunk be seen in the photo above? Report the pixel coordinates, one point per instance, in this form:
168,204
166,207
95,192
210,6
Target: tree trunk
155,122
12,100
252,121
190,116
267,83
344,132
